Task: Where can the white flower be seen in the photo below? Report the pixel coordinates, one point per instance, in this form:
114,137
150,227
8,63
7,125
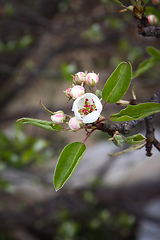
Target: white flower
92,79
58,117
75,124
87,108
77,91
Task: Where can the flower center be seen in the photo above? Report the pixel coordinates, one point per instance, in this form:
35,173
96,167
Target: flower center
87,108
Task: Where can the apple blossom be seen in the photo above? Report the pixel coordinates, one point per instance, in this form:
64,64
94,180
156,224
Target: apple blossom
77,91
87,108
79,77
92,79
58,117
67,92
75,124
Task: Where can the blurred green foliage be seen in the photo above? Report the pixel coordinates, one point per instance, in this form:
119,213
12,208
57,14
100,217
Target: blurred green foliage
19,151
94,33
67,70
95,223
18,44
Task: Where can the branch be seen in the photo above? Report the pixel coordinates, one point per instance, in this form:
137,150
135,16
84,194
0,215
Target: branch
146,30
126,127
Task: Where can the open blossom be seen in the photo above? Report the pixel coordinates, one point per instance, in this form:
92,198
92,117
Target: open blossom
77,91
92,79
79,77
75,124
58,117
87,108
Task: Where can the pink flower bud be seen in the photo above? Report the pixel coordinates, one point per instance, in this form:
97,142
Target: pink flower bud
75,124
67,92
77,91
152,19
155,1
92,79
79,77
58,117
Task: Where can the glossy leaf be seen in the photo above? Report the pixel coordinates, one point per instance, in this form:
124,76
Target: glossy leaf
48,125
67,163
118,83
136,112
135,139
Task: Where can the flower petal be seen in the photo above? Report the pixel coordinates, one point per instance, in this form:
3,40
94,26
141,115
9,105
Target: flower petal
91,117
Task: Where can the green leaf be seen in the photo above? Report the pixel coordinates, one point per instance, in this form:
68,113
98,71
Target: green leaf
135,139
118,83
116,2
67,163
145,66
153,52
136,112
48,125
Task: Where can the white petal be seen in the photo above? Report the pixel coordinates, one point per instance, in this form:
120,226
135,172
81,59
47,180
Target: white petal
77,114
98,104
91,117
76,102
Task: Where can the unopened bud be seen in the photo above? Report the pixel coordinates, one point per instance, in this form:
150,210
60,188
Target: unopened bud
92,79
58,117
77,91
75,124
79,77
67,92
155,1
152,19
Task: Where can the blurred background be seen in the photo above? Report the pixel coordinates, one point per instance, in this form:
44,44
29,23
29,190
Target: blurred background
43,43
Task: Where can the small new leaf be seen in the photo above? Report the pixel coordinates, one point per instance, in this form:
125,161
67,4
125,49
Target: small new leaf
118,83
135,139
118,140
136,112
67,163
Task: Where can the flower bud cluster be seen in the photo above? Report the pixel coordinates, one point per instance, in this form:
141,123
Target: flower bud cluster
86,106
90,78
